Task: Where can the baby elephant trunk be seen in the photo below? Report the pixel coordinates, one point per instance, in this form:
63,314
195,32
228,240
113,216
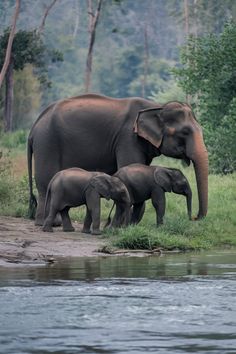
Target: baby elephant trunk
122,203
189,204
126,215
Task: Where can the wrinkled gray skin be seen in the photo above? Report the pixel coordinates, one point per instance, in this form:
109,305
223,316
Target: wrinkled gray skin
99,133
152,182
74,187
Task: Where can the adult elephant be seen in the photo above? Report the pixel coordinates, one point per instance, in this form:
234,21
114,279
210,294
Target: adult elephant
100,133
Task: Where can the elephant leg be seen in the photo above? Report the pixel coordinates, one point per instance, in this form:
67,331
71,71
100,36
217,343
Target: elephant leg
66,222
58,220
87,222
159,203
137,212
48,223
39,217
93,205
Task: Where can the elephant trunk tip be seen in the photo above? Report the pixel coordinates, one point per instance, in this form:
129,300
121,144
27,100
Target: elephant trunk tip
201,216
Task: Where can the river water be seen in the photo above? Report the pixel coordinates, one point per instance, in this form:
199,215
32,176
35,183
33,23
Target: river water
169,304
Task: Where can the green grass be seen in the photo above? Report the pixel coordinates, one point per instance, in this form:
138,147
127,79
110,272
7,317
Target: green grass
218,229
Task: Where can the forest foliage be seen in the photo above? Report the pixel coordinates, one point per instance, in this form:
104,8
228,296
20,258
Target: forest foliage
137,52
208,75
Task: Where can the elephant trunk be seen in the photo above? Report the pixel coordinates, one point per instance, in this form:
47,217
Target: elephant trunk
189,205
200,162
125,207
122,203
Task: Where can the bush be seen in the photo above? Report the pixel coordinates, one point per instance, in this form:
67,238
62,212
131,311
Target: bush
14,194
222,147
14,140
6,180
172,92
208,74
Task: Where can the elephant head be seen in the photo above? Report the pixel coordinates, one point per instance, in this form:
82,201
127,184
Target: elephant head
175,132
111,187
173,180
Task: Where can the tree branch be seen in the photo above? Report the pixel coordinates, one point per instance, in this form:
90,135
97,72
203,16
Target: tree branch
48,8
9,44
93,21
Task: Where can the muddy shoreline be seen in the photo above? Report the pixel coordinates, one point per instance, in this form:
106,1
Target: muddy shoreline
23,242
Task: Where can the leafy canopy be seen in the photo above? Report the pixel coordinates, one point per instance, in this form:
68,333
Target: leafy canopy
208,73
28,48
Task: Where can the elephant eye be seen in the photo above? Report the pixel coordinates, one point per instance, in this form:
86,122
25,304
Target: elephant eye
185,131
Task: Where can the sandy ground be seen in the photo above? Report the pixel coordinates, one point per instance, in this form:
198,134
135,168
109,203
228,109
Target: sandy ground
23,242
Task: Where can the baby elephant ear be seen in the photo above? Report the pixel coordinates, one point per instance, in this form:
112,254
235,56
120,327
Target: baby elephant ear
149,125
163,179
102,186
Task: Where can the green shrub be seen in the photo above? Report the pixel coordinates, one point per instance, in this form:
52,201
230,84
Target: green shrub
6,180
14,140
208,75
14,194
222,147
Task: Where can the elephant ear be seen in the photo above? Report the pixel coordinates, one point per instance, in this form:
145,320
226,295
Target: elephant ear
149,126
163,179
102,186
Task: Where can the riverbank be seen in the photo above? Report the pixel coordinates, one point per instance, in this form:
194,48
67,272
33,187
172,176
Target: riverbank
23,242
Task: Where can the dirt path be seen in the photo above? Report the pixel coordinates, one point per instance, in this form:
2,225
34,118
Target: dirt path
21,241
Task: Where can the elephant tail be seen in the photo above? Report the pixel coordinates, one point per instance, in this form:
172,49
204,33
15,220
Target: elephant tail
32,198
109,217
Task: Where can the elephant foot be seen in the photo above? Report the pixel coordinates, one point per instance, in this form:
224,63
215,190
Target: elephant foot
39,219
160,223
197,218
96,232
86,231
57,221
47,228
69,229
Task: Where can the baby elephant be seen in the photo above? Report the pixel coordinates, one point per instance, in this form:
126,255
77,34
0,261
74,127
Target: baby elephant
145,182
74,187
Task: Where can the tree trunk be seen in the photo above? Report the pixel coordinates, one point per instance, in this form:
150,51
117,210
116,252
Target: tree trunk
9,44
93,21
77,14
48,8
8,116
186,18
195,18
146,61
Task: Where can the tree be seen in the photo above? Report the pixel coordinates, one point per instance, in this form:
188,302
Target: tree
27,97
7,69
7,59
208,72
46,12
27,48
93,21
